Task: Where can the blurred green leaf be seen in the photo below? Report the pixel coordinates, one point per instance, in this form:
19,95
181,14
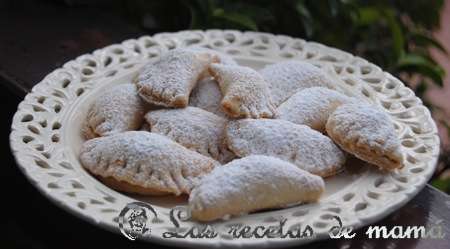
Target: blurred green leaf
443,185
367,15
237,18
425,41
397,33
418,63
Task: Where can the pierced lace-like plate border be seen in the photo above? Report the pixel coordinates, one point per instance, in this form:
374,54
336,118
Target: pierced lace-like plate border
44,154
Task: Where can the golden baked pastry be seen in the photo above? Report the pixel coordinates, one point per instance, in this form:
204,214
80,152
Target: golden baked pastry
245,92
144,163
194,128
366,132
118,109
169,81
250,184
288,77
207,96
308,149
221,58
311,107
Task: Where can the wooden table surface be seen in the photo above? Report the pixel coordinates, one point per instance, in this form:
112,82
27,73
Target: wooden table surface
36,38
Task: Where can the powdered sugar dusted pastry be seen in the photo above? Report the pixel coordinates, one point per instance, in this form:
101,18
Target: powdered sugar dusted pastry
311,106
144,163
245,93
207,96
170,80
308,149
194,128
118,109
252,183
288,77
222,58
366,132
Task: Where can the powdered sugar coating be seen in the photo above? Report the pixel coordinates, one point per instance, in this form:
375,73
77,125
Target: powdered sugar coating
194,128
287,77
169,81
311,107
207,96
366,132
252,183
118,109
222,58
146,160
308,149
245,92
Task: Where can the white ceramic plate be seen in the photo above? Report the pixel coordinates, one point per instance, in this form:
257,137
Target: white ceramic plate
46,137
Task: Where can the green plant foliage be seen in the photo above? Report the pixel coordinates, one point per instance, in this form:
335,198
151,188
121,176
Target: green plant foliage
394,34
441,184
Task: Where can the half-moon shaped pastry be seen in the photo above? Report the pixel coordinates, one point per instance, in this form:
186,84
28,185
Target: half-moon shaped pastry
366,132
207,96
308,149
287,77
245,93
144,163
222,57
194,128
250,184
311,107
118,109
169,81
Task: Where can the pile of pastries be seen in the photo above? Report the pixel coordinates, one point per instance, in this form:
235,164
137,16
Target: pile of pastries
234,139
